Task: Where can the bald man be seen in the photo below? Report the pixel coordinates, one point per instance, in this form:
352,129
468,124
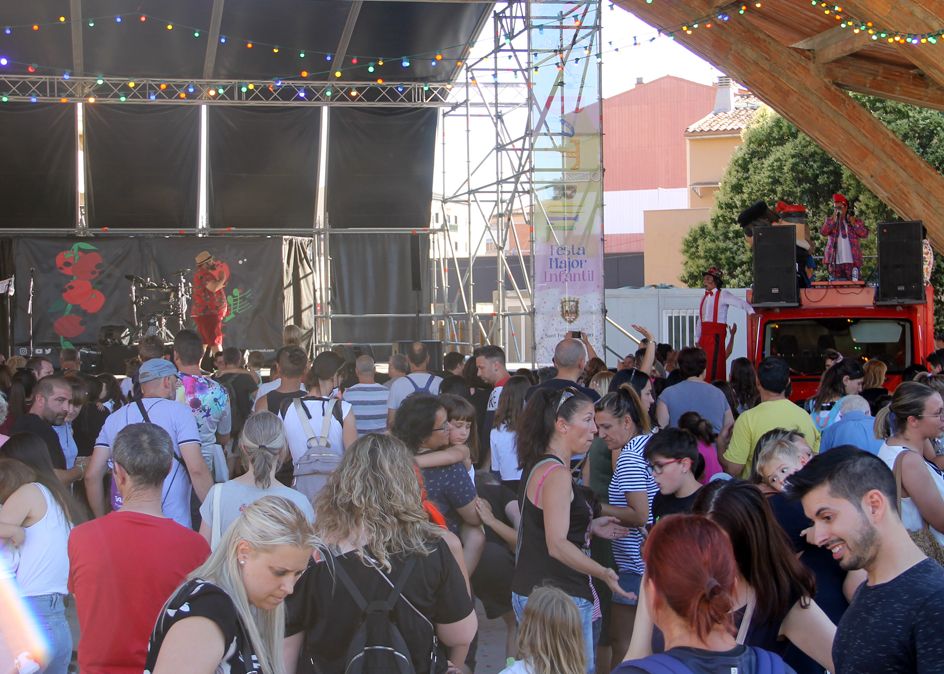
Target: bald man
570,359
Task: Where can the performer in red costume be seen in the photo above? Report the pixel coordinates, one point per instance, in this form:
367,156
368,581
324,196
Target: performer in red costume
209,305
712,328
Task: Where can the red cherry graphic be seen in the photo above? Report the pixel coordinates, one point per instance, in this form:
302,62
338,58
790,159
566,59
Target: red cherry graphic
69,326
88,267
93,302
76,291
65,261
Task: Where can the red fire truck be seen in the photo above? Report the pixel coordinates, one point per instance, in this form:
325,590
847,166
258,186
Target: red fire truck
844,317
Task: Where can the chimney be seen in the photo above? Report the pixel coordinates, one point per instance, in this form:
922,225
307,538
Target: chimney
639,81
724,95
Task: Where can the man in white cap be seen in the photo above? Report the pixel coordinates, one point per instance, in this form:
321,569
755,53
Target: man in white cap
158,379
208,302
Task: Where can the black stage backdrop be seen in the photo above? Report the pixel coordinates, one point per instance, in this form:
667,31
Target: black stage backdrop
143,165
380,175
263,166
80,284
37,165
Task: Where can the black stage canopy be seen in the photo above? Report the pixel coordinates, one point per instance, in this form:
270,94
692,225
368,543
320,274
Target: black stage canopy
239,39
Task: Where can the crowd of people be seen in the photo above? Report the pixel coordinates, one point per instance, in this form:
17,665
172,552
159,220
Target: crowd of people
331,518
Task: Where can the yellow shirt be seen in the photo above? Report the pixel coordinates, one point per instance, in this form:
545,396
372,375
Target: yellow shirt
753,423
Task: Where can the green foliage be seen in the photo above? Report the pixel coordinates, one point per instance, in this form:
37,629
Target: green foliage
778,162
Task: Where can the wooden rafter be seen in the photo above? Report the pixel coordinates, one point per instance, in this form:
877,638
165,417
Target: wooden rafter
790,82
885,81
834,44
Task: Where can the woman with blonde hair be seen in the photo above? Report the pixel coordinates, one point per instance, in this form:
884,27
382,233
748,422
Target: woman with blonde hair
550,640
371,517
229,614
262,443
873,384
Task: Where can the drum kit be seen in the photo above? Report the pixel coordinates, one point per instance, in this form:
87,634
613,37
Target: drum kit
157,306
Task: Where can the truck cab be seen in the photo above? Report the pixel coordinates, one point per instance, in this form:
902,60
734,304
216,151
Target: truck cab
844,317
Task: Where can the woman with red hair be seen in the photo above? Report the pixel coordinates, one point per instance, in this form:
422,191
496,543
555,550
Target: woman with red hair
692,603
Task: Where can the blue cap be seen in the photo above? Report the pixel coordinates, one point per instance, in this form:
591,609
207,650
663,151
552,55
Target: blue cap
156,368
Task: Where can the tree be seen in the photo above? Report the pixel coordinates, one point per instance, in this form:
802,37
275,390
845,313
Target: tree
776,161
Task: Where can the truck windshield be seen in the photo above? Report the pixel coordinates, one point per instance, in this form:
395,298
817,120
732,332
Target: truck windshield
802,342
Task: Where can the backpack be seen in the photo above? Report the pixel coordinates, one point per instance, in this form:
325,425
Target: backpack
378,646
663,663
312,470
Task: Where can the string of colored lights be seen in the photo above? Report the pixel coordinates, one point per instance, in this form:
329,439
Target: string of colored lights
876,33
357,63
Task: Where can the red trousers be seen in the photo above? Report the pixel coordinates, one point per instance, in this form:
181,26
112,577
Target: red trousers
713,342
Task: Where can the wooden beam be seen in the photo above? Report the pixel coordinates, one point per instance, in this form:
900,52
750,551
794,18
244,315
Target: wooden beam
918,19
352,13
78,52
787,80
833,44
886,82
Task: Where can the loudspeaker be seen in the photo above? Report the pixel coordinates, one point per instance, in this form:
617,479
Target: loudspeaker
775,279
434,348
900,268
114,357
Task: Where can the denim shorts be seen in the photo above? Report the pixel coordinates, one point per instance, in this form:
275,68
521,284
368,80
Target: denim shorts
50,616
591,628
630,582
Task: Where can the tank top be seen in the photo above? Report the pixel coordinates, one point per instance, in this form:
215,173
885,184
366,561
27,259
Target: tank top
274,399
44,555
535,566
910,516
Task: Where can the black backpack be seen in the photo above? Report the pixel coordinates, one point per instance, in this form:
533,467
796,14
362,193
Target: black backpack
378,646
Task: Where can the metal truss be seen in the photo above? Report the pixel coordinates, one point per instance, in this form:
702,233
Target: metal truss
500,191
223,92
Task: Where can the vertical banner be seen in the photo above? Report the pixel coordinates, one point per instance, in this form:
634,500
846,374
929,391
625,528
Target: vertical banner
568,173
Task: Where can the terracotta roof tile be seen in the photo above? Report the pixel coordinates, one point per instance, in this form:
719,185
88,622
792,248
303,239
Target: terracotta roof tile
745,106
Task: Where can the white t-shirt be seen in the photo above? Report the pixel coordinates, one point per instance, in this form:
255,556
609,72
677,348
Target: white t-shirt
843,250
404,386
910,516
517,667
175,418
297,438
271,386
505,453
235,496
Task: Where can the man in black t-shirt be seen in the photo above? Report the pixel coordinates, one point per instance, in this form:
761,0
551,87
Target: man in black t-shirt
893,624
52,402
570,359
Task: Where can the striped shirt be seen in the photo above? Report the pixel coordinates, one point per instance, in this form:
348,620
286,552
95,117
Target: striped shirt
631,475
370,407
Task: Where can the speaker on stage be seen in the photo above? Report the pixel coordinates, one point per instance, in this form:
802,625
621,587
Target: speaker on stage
434,348
114,357
900,268
775,279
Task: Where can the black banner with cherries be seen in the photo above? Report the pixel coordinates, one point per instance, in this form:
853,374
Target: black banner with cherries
82,285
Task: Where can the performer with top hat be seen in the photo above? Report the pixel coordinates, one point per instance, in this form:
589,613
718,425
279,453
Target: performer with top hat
712,327
209,305
843,256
